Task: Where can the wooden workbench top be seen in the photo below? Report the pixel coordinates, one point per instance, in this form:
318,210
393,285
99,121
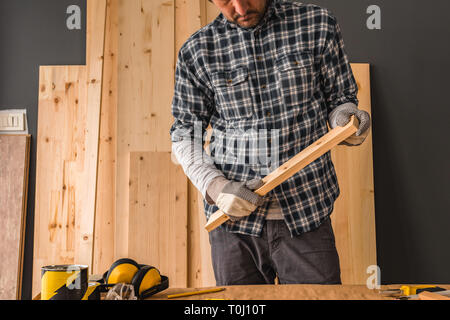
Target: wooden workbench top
286,292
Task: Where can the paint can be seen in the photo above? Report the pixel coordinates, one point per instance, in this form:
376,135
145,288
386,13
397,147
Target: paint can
64,282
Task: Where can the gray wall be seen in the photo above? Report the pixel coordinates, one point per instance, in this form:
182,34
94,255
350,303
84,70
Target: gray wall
33,33
409,60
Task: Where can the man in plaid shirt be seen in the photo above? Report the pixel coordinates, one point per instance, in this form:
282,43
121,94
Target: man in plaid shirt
268,76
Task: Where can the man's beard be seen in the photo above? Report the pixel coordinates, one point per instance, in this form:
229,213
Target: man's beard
251,15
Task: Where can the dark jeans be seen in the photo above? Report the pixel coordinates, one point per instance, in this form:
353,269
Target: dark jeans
310,258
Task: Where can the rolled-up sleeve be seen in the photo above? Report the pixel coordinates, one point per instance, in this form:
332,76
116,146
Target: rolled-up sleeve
337,81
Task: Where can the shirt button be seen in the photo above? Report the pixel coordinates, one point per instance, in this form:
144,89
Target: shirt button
268,114
263,86
259,58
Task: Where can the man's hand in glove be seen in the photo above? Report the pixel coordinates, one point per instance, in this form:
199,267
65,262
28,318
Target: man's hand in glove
341,116
236,199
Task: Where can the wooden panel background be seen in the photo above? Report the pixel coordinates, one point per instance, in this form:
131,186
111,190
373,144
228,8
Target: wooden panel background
158,215
105,213
14,165
60,165
146,65
354,212
67,154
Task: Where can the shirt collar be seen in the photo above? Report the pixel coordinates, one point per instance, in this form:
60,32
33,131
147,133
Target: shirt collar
273,8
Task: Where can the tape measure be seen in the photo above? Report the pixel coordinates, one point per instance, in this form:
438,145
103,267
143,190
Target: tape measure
145,279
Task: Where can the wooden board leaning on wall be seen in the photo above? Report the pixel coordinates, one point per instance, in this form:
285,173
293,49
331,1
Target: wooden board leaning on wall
14,166
67,154
158,215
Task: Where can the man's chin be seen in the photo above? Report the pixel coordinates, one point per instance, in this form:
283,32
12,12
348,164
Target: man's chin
248,23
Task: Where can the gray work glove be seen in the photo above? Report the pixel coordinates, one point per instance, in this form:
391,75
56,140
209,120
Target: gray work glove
341,116
236,199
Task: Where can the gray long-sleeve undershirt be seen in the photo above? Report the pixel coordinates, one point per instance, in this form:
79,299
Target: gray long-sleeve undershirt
201,171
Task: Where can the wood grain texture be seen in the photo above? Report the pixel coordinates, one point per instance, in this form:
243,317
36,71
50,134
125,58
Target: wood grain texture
188,16
200,271
158,214
354,211
61,155
146,65
105,212
187,21
14,165
67,154
211,11
95,47
432,296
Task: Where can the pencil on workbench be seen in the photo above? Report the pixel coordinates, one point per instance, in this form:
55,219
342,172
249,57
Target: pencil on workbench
185,294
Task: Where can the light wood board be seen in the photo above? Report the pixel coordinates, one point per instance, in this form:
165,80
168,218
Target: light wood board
146,66
158,215
354,211
14,165
61,154
188,19
105,212
67,154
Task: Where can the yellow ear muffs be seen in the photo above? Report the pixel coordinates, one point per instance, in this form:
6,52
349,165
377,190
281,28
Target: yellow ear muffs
148,281
121,271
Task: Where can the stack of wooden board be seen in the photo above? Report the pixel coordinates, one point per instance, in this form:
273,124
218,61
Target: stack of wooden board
14,164
92,119
97,121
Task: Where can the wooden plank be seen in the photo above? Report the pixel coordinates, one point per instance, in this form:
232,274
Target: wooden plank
207,272
60,159
14,165
67,154
158,214
95,46
292,166
211,11
432,296
188,21
106,180
200,271
146,66
354,211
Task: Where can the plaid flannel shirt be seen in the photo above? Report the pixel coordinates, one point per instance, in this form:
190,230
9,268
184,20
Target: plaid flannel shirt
285,76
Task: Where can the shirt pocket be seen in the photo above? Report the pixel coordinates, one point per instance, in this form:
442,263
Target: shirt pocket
232,90
295,78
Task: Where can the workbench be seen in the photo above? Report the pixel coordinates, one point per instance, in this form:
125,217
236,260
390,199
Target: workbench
286,292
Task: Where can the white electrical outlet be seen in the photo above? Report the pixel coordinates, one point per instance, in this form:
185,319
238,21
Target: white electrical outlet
12,121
